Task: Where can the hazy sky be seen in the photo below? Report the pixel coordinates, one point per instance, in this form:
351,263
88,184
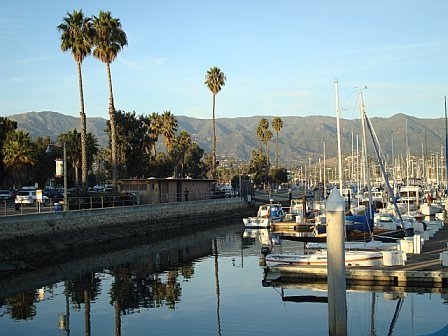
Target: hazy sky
280,57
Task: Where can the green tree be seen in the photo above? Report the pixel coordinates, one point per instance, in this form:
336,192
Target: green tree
133,144
6,125
44,163
277,124
109,40
179,151
77,36
169,128
215,79
278,175
258,165
194,165
72,141
18,155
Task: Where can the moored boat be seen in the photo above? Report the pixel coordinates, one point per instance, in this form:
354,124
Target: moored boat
352,258
267,214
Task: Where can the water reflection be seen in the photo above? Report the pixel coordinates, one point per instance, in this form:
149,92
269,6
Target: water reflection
209,282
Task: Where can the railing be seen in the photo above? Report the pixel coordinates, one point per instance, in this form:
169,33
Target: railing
9,208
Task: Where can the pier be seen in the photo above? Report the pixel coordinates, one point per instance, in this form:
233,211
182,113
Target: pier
420,270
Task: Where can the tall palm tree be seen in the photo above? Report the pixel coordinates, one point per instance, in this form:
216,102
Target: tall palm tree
215,80
265,136
277,124
18,154
77,36
169,128
109,40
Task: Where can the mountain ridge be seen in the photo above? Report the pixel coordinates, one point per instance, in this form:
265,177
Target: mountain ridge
300,138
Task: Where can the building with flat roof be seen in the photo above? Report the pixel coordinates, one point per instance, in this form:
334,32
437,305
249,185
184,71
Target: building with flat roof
163,190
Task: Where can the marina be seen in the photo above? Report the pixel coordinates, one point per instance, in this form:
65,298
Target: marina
207,282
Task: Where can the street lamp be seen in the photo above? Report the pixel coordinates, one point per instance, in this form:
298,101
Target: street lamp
49,150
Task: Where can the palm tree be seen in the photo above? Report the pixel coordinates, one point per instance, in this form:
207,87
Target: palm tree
109,40
277,124
265,135
169,128
18,154
155,129
77,36
215,80
183,143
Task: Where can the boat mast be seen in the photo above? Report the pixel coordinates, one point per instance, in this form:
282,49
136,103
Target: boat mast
446,149
364,149
338,135
383,170
325,175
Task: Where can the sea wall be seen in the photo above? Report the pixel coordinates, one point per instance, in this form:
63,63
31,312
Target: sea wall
111,223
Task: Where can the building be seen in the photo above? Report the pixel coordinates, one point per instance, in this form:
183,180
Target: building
163,190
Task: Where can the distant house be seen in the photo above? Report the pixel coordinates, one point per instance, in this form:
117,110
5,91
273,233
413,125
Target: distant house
163,190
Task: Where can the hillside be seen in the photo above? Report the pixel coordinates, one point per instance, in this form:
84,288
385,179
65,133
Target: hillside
299,139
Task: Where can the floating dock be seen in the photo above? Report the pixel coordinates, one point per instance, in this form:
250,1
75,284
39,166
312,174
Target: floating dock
421,270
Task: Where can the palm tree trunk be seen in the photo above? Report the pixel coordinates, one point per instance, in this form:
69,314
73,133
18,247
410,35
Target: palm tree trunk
213,139
83,134
113,130
76,175
276,152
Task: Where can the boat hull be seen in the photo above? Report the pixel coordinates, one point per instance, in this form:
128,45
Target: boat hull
256,222
352,258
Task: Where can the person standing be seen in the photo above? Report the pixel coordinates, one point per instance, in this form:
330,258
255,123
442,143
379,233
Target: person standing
186,192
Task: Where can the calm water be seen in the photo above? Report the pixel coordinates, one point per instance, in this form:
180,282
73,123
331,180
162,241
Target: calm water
208,283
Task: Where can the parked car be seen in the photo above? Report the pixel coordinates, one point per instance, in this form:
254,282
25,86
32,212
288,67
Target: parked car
6,195
53,193
29,197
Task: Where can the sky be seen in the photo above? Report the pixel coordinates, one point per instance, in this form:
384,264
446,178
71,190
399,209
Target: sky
281,58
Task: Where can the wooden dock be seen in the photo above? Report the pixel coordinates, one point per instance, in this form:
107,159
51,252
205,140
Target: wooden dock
420,270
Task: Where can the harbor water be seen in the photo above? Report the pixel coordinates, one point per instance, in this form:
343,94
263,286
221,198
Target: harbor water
211,282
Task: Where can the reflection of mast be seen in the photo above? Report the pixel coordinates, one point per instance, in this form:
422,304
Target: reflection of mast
218,318
67,309
394,319
372,315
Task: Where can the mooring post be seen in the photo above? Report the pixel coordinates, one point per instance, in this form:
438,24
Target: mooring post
337,301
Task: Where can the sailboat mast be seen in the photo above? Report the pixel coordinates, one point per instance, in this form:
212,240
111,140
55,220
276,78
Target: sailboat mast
338,135
446,149
364,148
325,176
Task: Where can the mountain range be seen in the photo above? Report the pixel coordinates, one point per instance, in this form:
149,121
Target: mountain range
300,138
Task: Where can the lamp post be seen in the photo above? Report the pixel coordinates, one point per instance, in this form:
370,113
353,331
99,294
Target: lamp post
64,171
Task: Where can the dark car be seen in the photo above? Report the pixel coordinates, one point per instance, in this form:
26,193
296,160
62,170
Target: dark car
52,193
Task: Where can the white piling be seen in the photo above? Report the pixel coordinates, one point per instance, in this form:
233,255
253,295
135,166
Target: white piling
337,300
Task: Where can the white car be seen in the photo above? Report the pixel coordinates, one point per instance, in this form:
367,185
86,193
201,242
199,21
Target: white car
29,197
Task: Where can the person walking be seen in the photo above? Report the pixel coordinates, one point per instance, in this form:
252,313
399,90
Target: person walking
186,192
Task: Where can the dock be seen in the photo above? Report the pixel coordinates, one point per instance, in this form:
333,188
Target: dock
420,270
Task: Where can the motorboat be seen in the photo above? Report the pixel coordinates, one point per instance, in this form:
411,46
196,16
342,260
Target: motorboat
267,214
319,258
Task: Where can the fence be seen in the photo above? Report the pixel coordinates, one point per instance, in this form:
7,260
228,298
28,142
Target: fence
9,208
